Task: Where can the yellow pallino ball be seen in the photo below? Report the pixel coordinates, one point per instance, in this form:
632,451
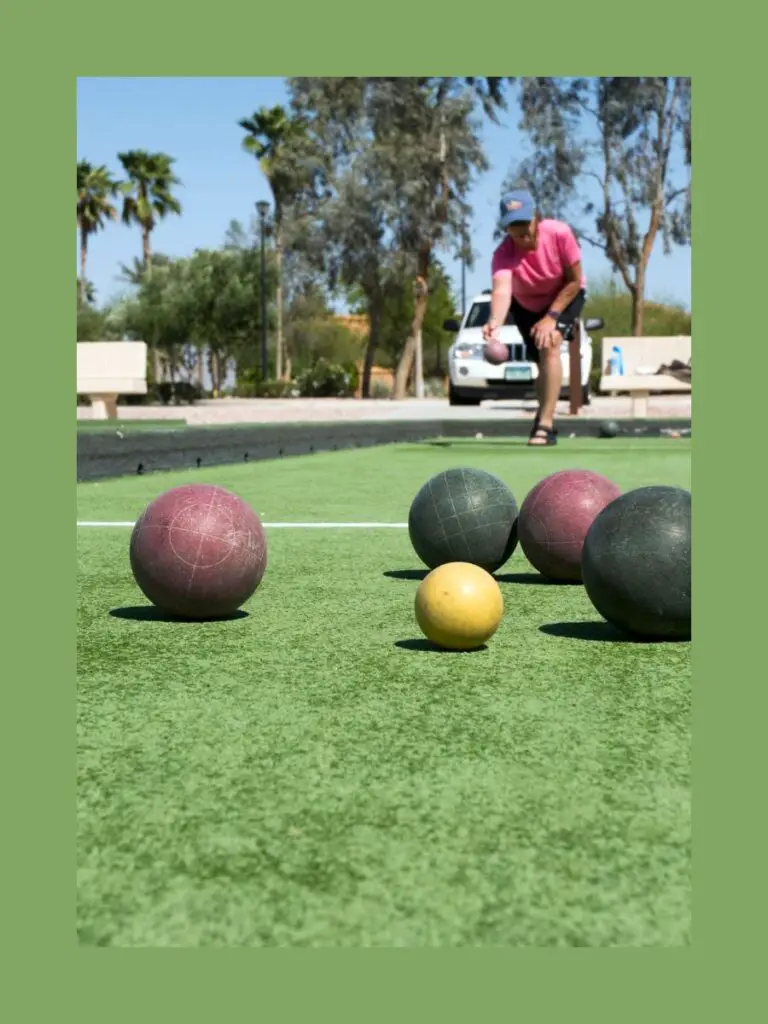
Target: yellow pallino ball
459,606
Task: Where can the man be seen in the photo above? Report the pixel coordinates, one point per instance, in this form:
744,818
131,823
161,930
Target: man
537,272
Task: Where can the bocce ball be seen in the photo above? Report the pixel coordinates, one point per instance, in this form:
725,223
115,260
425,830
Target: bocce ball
198,552
464,515
459,606
609,428
555,517
636,563
496,352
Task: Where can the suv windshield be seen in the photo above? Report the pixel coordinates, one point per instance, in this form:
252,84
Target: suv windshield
479,314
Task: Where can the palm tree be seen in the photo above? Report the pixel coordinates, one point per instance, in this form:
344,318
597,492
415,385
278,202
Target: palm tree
273,137
95,188
86,293
148,195
135,273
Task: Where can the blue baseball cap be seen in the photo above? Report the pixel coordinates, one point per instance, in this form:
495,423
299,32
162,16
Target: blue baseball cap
517,206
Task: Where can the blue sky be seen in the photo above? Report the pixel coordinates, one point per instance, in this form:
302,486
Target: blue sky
195,121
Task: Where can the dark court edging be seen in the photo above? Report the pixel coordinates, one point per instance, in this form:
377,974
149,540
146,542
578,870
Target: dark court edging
102,454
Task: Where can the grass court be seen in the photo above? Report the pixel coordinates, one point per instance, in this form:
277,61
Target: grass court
311,773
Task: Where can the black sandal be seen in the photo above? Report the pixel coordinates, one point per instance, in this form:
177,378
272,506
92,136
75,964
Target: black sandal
536,421
546,437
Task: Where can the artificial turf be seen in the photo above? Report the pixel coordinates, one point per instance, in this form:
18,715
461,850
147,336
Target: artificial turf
312,774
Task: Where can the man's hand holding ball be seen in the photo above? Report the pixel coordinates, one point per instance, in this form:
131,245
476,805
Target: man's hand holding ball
496,351
490,331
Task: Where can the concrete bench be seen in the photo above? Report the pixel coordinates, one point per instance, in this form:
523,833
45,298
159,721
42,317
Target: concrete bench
640,387
640,355
106,369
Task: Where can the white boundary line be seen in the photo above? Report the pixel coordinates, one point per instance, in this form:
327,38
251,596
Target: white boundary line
288,526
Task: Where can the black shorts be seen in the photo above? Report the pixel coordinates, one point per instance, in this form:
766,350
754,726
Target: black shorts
525,321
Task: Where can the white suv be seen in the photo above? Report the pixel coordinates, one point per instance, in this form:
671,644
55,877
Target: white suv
472,379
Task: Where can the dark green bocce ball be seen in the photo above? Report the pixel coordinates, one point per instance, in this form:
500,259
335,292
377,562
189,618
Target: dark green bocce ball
464,515
609,428
636,563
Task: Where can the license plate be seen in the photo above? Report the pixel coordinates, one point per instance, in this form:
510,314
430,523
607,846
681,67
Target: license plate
517,373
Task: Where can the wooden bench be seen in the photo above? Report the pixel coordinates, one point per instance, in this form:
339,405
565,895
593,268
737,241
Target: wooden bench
645,354
106,369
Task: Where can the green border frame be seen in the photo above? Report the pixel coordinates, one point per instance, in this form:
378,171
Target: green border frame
482,985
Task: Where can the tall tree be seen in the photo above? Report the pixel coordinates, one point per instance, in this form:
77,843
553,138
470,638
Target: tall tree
343,231
396,315
95,190
315,333
428,137
360,250
157,312
148,193
629,140
134,273
423,138
86,292
276,138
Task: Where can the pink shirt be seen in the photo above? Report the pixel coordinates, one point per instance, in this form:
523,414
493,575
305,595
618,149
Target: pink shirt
538,276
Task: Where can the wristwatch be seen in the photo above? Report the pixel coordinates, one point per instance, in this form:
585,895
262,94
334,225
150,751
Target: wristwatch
554,314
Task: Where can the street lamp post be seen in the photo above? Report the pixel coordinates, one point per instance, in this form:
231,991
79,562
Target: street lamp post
262,208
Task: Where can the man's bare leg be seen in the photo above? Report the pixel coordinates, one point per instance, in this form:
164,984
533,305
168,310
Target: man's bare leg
548,385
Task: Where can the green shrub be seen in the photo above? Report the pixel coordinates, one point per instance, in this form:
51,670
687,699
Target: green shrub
276,389
250,385
434,387
380,389
354,376
179,392
328,380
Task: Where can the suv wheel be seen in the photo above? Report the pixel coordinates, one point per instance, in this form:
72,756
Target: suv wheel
455,399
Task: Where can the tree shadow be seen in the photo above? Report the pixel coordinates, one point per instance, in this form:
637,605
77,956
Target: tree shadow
149,613
601,632
421,644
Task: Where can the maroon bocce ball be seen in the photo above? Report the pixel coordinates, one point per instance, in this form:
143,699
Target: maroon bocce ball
555,517
198,552
496,352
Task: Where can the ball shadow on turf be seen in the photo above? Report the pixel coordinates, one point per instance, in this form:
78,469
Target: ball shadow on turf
534,578
149,613
600,631
422,644
508,577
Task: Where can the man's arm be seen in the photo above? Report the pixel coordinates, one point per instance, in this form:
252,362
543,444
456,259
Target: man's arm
501,290
569,292
501,299
570,252
545,331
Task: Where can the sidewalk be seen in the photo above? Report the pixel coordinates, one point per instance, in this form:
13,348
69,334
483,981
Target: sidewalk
319,410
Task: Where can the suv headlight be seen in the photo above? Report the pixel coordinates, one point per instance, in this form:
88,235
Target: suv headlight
465,350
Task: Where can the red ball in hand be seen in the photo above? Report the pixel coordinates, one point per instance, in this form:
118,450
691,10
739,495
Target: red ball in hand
496,352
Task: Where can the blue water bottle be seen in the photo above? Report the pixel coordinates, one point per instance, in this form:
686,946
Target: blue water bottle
617,361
